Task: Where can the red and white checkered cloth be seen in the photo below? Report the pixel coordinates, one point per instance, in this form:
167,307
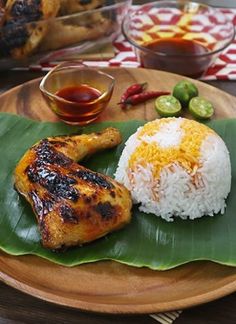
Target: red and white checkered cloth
223,69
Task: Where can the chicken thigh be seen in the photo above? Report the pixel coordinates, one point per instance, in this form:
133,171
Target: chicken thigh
73,205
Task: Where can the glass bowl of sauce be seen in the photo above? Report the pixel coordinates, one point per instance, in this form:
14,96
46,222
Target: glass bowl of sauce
76,93
178,36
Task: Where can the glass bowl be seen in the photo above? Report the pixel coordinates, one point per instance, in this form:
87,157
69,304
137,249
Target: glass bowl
178,36
30,35
76,93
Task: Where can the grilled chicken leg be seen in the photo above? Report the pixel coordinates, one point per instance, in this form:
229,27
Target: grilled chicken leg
73,205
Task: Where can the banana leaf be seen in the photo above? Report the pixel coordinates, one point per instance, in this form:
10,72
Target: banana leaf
147,241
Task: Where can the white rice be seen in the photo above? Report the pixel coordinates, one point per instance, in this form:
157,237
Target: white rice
174,193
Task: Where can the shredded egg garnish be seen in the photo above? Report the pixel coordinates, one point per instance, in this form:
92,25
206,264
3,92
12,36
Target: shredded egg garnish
183,148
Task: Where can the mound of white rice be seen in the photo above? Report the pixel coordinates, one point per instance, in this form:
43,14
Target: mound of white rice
176,167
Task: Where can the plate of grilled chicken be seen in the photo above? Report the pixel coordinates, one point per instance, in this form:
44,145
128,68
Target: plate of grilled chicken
51,168
29,29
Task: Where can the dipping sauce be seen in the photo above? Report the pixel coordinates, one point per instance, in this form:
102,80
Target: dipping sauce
79,94
83,103
192,66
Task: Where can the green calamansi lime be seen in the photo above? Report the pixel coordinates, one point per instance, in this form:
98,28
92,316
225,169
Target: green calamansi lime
201,108
184,91
168,106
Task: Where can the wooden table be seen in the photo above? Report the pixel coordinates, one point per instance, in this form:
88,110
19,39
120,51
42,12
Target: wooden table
17,307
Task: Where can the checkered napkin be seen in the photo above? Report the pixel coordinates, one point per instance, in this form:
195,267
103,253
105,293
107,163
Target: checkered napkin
223,69
166,318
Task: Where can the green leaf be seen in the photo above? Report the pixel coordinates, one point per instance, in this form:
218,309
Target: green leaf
146,241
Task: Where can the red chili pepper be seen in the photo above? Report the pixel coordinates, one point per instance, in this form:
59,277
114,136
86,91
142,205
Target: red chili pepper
144,96
130,91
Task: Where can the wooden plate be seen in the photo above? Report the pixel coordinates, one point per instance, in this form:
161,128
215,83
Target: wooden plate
109,286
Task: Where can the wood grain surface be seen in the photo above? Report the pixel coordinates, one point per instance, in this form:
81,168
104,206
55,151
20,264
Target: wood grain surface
108,286
26,100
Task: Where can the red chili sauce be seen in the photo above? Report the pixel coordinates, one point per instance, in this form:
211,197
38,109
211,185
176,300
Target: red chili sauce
79,94
183,63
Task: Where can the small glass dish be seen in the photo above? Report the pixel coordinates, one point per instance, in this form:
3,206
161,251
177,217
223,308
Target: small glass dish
76,93
182,37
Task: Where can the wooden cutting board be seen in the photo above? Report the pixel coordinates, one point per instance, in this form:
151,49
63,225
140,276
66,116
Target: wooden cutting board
108,286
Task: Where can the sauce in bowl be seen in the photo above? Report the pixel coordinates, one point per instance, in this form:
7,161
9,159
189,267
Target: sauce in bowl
80,103
76,93
168,53
79,94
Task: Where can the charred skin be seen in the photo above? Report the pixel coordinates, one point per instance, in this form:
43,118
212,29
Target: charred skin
21,34
73,205
24,25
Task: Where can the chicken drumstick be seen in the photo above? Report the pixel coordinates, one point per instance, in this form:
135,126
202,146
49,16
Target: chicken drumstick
73,205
